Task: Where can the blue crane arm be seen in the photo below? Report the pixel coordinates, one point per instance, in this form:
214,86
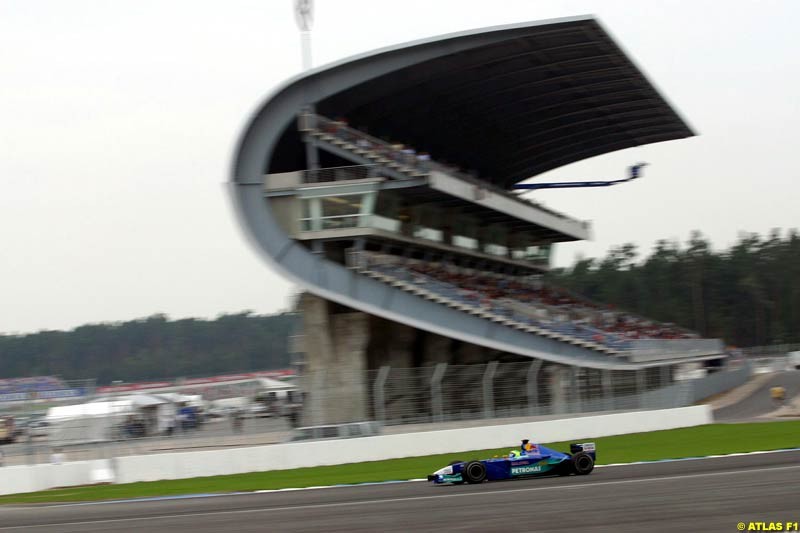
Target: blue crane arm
635,172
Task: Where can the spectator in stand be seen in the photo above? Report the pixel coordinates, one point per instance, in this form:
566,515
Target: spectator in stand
485,290
341,130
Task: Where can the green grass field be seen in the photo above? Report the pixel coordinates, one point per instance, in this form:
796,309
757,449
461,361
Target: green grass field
698,441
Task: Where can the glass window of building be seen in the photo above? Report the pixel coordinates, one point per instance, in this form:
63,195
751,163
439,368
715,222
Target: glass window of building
334,206
336,211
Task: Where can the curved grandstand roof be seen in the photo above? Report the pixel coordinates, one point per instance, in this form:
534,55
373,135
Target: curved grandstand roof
509,102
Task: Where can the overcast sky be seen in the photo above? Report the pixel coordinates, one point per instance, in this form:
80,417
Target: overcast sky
118,120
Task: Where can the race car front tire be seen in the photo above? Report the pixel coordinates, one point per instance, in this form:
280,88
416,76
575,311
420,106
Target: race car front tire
474,472
582,463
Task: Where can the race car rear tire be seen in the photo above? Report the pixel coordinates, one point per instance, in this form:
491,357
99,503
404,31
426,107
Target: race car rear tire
474,472
582,463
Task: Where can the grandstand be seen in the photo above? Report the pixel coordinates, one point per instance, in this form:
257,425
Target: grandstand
39,388
31,384
382,184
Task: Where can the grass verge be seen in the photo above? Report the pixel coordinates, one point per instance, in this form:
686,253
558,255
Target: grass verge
715,439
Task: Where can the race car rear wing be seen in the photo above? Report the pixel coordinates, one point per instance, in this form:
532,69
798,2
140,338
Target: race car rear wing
587,447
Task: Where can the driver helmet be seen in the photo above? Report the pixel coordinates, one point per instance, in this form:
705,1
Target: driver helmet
513,454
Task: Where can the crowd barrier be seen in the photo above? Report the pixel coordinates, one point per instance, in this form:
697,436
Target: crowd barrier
183,465
32,478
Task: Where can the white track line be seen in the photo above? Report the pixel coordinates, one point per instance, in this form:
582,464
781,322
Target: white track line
407,499
319,487
699,458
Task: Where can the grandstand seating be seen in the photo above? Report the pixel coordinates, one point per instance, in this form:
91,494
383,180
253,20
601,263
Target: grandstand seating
403,159
519,303
31,384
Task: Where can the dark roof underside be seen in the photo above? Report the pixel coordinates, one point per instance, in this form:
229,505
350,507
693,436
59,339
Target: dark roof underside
551,96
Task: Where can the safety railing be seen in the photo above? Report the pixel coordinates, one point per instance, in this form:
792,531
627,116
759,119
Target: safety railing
400,399
398,156
343,173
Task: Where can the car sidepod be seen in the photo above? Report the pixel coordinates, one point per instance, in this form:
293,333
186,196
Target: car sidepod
542,461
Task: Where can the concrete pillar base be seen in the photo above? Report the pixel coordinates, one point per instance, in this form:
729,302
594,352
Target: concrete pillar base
336,363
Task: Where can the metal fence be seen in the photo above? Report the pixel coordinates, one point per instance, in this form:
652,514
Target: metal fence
400,399
102,426
775,350
451,393
774,358
343,173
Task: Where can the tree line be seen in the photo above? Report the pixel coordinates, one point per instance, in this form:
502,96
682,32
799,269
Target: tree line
151,348
748,294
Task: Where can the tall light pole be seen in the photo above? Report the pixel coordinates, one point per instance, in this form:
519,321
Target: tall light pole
304,15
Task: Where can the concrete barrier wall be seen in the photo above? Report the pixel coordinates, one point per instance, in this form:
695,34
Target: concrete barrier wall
319,453
32,478
17,479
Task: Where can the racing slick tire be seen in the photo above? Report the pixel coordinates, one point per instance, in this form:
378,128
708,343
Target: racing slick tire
474,472
582,463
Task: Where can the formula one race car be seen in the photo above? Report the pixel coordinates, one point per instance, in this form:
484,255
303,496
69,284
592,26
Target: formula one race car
529,460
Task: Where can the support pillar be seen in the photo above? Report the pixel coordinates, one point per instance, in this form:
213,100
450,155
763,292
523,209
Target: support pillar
391,345
380,393
336,363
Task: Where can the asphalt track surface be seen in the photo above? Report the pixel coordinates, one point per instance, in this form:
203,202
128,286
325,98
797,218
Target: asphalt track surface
759,403
697,495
